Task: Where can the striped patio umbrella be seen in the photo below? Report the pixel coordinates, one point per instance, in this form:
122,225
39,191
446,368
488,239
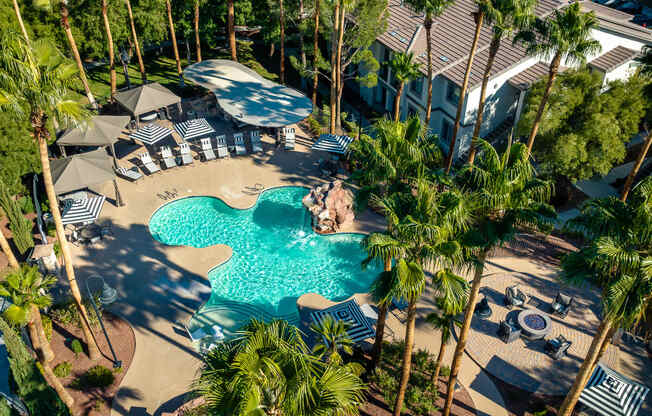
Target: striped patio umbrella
611,394
350,312
332,143
194,128
151,134
83,210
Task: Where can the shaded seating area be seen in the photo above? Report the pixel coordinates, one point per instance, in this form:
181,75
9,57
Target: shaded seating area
557,347
99,131
129,174
333,143
146,100
610,393
514,297
148,163
350,312
194,128
561,305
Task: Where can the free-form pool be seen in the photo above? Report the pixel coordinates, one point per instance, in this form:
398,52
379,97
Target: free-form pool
277,257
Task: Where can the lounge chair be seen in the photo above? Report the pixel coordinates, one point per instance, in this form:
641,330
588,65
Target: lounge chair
508,331
256,146
184,152
148,163
168,158
482,308
207,150
514,297
289,136
557,347
562,304
130,174
240,148
222,148
400,309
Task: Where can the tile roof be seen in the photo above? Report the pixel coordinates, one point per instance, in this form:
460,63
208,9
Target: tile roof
617,21
524,79
613,59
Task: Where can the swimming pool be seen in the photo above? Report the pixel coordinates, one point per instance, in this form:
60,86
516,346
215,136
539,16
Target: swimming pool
277,257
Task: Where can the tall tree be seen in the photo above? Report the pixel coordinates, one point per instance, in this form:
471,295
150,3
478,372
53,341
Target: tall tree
134,36
334,48
109,39
506,16
430,9
19,17
196,25
508,196
564,35
404,70
230,17
315,77
6,249
282,24
332,338
443,323
173,38
35,81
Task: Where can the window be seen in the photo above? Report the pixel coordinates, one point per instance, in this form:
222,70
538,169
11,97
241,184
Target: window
416,86
446,131
384,65
453,93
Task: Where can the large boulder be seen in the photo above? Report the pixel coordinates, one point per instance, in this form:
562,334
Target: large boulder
331,207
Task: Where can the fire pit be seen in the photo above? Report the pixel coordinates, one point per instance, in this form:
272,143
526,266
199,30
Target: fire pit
534,324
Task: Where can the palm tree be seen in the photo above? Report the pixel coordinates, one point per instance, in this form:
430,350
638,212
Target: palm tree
508,196
478,17
65,24
618,260
333,337
231,29
35,81
6,249
196,24
315,77
173,38
405,70
564,35
27,290
334,66
430,9
19,17
109,39
134,36
282,24
506,16
268,370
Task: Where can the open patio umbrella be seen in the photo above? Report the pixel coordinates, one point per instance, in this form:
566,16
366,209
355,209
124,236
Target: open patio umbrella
83,210
147,98
332,143
98,131
350,312
194,128
611,394
151,134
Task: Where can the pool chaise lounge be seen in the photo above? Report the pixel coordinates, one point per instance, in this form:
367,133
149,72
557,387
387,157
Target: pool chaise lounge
129,174
222,148
148,163
240,148
207,150
184,152
168,158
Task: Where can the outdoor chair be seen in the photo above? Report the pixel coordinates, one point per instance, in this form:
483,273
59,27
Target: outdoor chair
514,297
240,148
508,331
130,174
256,146
289,136
168,159
222,148
482,309
162,115
557,347
400,309
207,150
561,305
184,152
148,163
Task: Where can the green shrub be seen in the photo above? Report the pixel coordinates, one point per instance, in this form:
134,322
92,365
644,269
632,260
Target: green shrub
420,402
66,313
47,327
51,229
20,227
5,410
444,371
63,369
96,377
26,204
315,126
76,347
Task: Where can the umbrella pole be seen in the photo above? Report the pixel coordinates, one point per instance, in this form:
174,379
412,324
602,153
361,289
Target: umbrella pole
115,161
118,197
62,149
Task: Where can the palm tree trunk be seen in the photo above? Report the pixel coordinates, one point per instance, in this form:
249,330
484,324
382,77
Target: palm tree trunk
552,74
6,248
397,102
197,40
464,332
636,167
173,37
55,383
407,357
302,50
231,29
45,349
75,52
282,24
479,17
41,134
440,358
427,24
380,326
315,77
340,81
586,369
141,64
109,39
493,50
20,20
334,47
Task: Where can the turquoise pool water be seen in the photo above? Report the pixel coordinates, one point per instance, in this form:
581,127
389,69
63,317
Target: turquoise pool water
276,255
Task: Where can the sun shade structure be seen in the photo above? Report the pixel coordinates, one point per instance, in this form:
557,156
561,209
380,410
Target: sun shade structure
248,97
147,98
332,143
151,134
84,210
98,131
350,312
611,394
193,129
81,171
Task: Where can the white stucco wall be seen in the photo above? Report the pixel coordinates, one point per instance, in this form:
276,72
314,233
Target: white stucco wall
622,72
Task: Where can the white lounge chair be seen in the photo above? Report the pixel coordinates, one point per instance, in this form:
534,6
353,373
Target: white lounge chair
240,148
222,148
207,150
129,174
148,163
184,152
168,158
256,146
289,135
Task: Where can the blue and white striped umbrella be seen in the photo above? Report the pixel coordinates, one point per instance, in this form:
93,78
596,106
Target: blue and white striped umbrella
194,128
151,133
83,210
350,312
611,394
332,143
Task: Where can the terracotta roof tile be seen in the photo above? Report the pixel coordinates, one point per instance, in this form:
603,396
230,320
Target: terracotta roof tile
613,59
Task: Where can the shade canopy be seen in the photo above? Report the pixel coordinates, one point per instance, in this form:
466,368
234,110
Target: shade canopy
194,128
81,171
98,131
611,394
350,312
248,97
151,134
83,210
146,98
333,143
